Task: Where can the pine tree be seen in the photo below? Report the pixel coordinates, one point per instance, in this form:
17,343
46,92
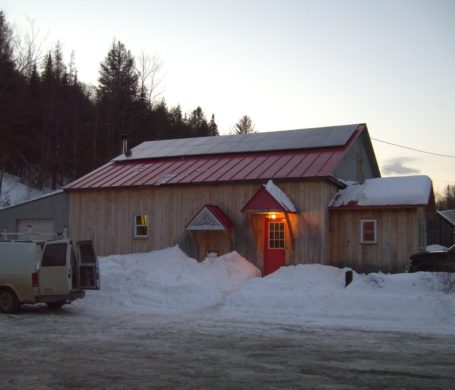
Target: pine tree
213,128
117,92
7,74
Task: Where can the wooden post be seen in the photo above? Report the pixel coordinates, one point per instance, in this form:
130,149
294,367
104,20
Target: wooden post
348,276
291,237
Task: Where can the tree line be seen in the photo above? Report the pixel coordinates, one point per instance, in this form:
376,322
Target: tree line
446,201
54,128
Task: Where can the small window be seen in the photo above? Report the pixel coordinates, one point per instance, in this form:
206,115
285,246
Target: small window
368,231
54,255
276,235
141,225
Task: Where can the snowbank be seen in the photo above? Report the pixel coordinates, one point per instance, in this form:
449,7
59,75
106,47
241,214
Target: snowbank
228,288
315,294
168,280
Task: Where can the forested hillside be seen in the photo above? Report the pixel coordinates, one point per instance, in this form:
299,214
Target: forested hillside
54,128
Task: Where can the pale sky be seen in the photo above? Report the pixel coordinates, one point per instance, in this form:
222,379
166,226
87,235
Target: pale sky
287,64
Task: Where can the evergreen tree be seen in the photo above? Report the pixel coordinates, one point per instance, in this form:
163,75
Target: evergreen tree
213,128
117,92
447,202
8,75
54,128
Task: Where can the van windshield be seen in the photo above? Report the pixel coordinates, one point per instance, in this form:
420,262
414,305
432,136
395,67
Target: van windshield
54,255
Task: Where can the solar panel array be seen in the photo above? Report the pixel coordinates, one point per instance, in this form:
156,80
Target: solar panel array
321,137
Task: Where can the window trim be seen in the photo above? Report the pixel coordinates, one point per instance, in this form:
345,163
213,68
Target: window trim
362,231
274,239
136,226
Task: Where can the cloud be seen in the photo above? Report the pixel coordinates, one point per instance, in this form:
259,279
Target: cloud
397,166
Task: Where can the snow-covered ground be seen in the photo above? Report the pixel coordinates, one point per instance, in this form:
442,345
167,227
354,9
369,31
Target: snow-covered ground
14,191
230,288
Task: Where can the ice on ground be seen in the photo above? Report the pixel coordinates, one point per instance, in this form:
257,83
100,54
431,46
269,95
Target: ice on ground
230,288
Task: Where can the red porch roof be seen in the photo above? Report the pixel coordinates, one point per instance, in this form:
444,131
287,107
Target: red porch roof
210,217
267,198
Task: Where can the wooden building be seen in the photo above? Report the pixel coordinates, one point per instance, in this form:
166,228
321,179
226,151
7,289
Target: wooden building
265,195
378,224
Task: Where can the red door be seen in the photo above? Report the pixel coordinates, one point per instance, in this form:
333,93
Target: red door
275,251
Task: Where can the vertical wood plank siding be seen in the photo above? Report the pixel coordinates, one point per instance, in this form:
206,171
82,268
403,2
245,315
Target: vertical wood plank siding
397,239
106,216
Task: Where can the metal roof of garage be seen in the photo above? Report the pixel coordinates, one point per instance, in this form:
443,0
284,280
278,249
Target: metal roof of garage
292,163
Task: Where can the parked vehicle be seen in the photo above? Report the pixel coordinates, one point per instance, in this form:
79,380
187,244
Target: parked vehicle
440,261
53,272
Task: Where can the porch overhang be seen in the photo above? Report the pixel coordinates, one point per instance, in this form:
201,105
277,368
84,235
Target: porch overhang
269,199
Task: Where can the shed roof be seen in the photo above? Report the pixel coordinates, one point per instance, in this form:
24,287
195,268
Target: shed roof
315,156
448,215
386,191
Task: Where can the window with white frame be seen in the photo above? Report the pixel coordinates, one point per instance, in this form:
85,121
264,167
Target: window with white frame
368,231
141,226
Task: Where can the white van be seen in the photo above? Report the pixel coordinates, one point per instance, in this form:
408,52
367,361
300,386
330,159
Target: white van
53,272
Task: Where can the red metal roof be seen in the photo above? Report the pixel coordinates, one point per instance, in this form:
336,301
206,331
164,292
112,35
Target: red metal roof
217,168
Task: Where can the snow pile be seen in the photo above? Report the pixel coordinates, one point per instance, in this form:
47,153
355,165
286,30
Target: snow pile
14,192
436,248
228,288
315,294
169,280
388,191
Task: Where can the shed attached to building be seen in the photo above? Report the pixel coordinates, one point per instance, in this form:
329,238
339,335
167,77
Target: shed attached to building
45,214
378,224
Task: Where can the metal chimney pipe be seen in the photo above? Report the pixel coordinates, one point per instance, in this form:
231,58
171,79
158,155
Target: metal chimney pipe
124,143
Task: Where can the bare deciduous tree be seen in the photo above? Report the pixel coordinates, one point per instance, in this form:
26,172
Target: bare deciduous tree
148,68
28,47
244,126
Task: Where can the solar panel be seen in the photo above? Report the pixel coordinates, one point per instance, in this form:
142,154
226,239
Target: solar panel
321,137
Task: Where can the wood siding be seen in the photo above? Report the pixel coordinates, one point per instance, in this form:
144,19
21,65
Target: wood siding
397,239
106,216
358,164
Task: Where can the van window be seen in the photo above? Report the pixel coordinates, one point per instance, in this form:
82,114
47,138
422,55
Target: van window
87,253
54,255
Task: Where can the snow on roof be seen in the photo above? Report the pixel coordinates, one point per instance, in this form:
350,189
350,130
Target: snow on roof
448,215
387,191
280,196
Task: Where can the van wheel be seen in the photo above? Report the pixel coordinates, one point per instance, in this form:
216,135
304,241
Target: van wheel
8,301
55,305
